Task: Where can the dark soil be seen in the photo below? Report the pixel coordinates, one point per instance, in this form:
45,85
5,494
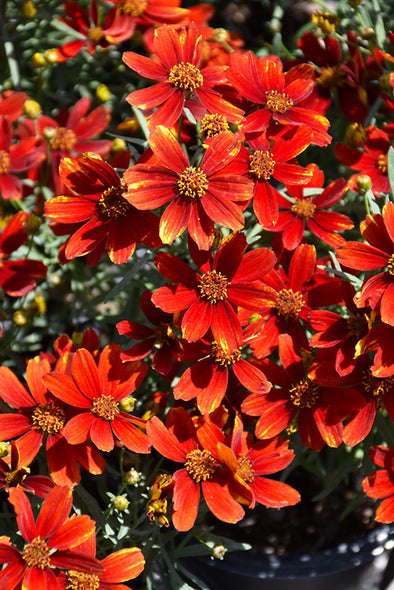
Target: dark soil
307,527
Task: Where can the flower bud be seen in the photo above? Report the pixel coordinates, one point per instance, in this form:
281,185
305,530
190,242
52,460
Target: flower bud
4,449
20,317
355,135
118,144
128,404
218,551
32,109
103,93
325,21
121,503
28,9
38,60
132,477
50,56
364,183
220,35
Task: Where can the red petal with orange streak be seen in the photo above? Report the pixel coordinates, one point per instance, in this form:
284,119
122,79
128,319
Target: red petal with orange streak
167,149
221,503
24,514
130,435
146,67
274,494
123,565
164,441
186,501
197,320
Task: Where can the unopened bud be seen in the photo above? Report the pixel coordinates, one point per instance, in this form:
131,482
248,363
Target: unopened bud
103,93
132,477
28,9
121,503
38,60
4,449
218,551
364,183
128,404
32,109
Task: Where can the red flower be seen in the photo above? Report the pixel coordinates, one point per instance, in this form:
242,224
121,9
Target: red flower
271,161
207,379
40,418
70,134
49,542
114,29
377,291
178,441
15,157
154,12
99,211
308,211
250,462
379,342
162,337
276,94
18,277
381,483
96,392
181,81
197,197
227,280
372,160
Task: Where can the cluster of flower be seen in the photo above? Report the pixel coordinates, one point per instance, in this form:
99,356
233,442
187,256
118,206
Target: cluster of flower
258,334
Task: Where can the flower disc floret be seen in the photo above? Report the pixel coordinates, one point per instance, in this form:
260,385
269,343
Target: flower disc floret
261,164
5,162
289,303
245,469
224,357
133,7
186,77
200,465
105,407
36,554
63,139
15,477
304,393
192,183
94,34
112,203
390,265
48,418
304,208
382,164
278,102
375,386
213,124
82,581
357,325
212,286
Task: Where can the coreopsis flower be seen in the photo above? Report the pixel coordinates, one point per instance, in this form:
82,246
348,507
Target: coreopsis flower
207,378
18,156
210,297
91,30
380,484
276,94
70,134
146,13
309,212
371,160
378,342
195,196
14,473
273,161
181,79
18,277
177,440
99,211
251,461
378,290
95,391
39,420
161,338
49,542
120,566
300,403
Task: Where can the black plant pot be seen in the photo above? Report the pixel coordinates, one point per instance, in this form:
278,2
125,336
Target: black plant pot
358,565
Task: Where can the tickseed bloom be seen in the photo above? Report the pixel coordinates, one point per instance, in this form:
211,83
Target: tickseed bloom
177,440
195,196
49,542
380,484
39,419
182,79
276,95
14,473
98,214
378,253
309,212
96,391
207,378
18,277
210,297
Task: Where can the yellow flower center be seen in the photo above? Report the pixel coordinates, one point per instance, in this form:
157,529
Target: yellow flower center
357,325
304,208
261,164
245,469
289,304
105,407
64,139
304,393
13,478
213,124
331,77
192,183
48,418
112,204
200,465
325,21
5,162
133,7
213,286
375,386
81,581
94,34
382,164
36,554
277,102
390,265
186,77
224,357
